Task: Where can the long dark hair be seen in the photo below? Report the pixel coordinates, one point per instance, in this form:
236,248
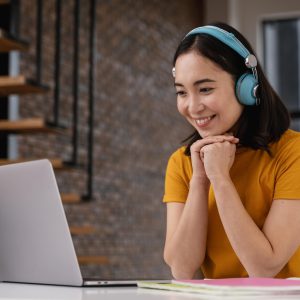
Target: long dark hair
259,125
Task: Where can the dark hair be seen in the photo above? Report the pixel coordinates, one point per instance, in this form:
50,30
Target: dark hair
259,125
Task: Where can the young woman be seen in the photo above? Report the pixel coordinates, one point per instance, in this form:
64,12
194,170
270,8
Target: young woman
233,191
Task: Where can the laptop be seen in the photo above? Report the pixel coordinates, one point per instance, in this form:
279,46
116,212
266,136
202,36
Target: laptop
35,241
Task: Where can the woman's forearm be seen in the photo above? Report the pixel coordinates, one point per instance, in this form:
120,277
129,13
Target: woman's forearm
185,249
248,241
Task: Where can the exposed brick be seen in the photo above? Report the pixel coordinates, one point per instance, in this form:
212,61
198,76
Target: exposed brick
137,125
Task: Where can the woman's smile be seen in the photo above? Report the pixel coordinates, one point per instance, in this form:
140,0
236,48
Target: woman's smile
204,121
205,95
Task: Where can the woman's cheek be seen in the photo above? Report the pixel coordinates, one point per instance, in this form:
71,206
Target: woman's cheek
180,107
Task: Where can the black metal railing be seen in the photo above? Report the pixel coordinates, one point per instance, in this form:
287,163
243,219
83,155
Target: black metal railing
75,120
56,103
75,81
13,19
92,62
39,42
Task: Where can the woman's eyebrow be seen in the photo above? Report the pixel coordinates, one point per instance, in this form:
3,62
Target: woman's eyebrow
196,82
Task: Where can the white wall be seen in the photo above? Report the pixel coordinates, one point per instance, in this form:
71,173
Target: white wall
216,11
246,15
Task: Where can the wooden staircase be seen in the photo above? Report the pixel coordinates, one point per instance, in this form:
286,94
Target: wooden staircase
84,259
10,43
93,260
79,230
29,126
20,85
57,163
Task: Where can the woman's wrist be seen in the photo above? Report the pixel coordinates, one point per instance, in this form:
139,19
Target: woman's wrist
199,180
220,180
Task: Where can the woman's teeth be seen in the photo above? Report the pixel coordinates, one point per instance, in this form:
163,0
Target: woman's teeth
203,121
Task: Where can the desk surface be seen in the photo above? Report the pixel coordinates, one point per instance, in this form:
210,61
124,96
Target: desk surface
43,292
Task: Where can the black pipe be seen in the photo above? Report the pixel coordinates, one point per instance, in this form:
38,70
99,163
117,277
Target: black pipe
39,35
14,23
75,82
57,64
92,46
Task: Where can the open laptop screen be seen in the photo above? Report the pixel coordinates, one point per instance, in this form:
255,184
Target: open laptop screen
35,241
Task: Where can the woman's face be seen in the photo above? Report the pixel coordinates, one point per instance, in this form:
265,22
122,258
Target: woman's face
205,95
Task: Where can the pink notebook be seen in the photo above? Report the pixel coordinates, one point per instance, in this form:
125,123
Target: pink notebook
258,282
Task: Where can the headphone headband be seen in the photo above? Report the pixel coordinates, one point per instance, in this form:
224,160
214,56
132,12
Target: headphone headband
228,39
247,84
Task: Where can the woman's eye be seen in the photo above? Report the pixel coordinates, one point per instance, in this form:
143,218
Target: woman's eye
206,90
180,93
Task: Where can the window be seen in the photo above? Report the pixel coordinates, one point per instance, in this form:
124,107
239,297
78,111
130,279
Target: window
281,44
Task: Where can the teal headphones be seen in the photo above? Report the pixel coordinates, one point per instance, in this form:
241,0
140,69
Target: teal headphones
246,86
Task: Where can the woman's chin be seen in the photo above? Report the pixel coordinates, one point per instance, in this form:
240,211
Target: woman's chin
211,133
206,133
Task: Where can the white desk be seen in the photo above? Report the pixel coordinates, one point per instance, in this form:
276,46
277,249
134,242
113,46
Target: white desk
11,291
43,292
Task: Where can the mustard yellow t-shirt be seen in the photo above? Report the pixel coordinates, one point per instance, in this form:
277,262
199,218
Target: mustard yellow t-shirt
259,179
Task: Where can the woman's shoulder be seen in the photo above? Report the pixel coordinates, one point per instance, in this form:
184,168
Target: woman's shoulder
289,141
180,159
179,154
290,136
180,163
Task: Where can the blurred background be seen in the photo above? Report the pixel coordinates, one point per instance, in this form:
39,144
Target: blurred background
88,85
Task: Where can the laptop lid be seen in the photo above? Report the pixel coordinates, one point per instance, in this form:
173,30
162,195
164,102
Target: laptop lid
35,241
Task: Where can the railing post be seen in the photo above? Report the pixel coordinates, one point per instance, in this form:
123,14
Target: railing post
39,35
75,81
57,63
92,62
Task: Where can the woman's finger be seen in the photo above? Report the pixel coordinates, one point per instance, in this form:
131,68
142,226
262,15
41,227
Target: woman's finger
196,147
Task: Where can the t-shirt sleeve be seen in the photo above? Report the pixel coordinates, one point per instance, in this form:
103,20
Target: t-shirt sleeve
287,182
176,180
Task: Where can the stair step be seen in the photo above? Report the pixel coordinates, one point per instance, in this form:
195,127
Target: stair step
96,260
79,230
56,162
20,85
70,198
8,42
33,125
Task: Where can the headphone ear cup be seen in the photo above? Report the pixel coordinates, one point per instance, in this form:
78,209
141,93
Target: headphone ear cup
245,89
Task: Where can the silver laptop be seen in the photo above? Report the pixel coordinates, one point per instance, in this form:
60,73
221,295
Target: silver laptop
35,240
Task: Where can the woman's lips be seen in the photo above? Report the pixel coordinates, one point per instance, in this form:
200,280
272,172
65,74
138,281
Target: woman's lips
203,122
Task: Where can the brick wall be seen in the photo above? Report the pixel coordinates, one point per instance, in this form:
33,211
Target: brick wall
137,125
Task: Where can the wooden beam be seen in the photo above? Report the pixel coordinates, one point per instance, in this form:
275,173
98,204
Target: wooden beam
79,230
10,43
95,260
57,163
10,85
33,125
70,198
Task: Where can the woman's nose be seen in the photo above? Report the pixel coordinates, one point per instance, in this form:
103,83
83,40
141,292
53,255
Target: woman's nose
195,105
